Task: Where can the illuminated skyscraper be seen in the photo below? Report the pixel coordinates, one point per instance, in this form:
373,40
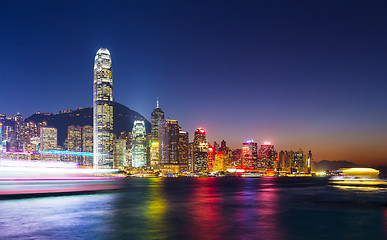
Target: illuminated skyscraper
309,162
169,138
249,154
283,160
48,141
73,142
299,161
183,150
87,143
139,144
79,139
127,136
267,156
119,153
211,158
157,117
220,161
236,158
154,154
200,151
103,109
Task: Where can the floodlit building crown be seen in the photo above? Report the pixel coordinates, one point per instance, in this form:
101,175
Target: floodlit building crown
103,50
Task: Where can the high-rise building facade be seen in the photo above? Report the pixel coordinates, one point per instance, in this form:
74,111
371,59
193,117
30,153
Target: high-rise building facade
299,161
73,142
139,144
236,158
249,155
283,161
79,139
211,157
309,163
200,151
87,144
183,146
220,161
169,138
157,117
154,154
119,153
267,156
48,141
103,109
296,161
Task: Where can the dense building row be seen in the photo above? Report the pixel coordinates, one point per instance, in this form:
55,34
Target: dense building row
164,148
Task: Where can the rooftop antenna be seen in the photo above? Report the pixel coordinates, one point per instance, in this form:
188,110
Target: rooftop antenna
157,102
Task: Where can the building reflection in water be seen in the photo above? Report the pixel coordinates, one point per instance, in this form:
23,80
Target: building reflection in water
244,215
204,220
242,209
257,213
140,211
155,212
268,211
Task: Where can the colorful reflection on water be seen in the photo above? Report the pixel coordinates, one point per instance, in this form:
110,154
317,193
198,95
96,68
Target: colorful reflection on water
203,208
155,210
269,212
204,216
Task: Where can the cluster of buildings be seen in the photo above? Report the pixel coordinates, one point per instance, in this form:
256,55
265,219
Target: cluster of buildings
165,147
29,140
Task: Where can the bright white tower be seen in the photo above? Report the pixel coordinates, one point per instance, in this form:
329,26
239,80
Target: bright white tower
139,144
103,110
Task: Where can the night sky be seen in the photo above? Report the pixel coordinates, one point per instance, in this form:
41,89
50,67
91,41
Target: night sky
301,74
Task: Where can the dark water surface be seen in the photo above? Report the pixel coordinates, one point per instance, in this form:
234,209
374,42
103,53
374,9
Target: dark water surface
204,208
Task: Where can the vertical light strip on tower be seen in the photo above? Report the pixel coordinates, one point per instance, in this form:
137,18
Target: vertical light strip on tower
103,109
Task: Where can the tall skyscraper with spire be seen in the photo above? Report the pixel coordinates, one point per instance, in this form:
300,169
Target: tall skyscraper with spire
157,117
103,109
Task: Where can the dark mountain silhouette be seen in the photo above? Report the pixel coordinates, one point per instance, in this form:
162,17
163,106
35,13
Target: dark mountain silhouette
334,165
123,116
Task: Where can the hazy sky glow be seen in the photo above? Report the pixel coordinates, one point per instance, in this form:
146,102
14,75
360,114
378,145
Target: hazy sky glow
301,74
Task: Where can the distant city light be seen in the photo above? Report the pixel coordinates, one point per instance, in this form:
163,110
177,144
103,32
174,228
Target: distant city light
250,141
267,143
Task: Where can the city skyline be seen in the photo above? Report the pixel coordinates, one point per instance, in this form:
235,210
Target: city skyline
339,115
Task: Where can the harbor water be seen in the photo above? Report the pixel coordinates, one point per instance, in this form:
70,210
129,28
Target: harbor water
204,208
